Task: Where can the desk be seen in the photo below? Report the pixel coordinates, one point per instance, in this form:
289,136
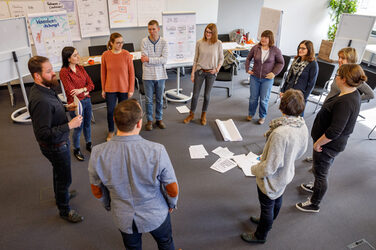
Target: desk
372,49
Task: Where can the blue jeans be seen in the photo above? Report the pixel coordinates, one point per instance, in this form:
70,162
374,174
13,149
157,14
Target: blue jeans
86,114
162,235
321,164
111,98
269,212
260,89
62,178
151,87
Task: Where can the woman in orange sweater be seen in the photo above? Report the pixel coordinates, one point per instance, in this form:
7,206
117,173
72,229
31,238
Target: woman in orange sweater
117,76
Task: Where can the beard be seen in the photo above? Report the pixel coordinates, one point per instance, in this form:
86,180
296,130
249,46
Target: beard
50,83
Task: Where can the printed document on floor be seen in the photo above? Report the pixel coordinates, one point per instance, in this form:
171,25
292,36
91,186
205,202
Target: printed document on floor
223,165
197,151
223,152
183,109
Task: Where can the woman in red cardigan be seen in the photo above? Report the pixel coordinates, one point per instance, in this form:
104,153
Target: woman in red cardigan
77,82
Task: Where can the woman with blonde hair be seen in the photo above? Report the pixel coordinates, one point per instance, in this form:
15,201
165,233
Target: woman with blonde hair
331,129
268,62
117,76
207,61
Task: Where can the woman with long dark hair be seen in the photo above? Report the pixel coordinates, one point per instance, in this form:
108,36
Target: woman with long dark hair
77,82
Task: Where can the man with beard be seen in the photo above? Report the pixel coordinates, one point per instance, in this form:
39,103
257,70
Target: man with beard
51,129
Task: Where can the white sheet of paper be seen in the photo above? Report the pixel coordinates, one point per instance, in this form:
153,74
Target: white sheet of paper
228,130
247,171
197,152
246,162
223,152
183,109
78,109
223,165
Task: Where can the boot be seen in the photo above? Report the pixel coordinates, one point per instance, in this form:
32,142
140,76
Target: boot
189,118
203,118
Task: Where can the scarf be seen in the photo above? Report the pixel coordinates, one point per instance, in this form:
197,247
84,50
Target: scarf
292,121
296,70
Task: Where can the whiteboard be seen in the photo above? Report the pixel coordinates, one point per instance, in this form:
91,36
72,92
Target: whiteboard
17,40
354,28
270,19
179,30
206,10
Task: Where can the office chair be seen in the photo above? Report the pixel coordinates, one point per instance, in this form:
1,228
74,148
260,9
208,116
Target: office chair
97,50
323,79
226,75
280,79
129,47
371,81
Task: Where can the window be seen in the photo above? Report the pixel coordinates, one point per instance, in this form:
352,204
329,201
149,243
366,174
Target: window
368,7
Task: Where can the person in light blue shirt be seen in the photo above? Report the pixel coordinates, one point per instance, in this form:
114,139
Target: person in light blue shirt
134,178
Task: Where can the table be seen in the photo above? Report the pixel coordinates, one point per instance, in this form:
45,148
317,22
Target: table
372,49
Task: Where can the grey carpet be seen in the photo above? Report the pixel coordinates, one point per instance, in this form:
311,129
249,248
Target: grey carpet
213,208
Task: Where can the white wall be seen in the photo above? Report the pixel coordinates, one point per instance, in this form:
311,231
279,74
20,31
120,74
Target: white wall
302,20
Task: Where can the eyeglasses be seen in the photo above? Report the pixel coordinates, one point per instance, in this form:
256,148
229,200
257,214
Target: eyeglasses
208,32
302,48
119,42
338,75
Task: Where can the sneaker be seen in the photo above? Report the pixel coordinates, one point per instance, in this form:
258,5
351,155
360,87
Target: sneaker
249,118
307,187
251,238
160,124
73,216
261,121
254,219
308,159
149,126
89,146
307,207
77,153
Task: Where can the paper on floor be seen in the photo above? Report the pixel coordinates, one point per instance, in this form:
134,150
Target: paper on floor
223,152
197,152
183,109
228,130
222,165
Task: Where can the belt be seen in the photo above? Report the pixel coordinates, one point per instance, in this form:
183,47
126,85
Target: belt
206,70
58,145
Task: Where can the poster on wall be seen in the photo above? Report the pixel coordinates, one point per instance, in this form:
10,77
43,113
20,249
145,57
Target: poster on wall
149,10
93,18
51,34
122,13
4,11
179,30
24,8
70,7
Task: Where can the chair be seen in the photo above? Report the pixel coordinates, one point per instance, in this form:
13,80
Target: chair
226,75
129,47
372,83
280,79
224,37
323,79
97,50
137,64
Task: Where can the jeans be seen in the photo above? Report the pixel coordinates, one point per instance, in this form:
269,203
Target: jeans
151,87
86,113
162,235
269,212
62,178
260,89
200,76
321,164
111,98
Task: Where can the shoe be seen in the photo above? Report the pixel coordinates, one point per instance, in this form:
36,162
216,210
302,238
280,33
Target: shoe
77,153
149,126
249,118
308,159
110,135
307,207
203,118
72,194
307,187
189,118
160,124
261,121
251,238
73,216
254,219
88,146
